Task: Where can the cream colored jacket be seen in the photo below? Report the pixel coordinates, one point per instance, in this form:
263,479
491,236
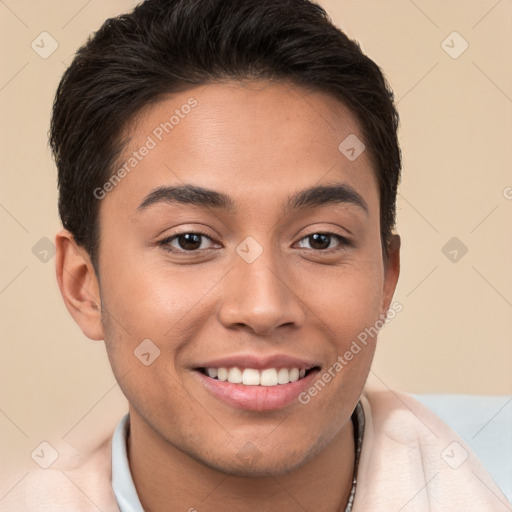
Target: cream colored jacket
410,461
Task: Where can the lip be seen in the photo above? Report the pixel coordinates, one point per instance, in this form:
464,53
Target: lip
259,362
256,398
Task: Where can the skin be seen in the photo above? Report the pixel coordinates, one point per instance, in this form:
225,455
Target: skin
258,142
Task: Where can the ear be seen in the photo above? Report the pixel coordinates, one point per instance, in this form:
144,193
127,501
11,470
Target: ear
391,271
78,285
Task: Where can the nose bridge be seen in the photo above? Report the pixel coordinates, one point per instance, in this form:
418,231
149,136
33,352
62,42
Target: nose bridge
257,293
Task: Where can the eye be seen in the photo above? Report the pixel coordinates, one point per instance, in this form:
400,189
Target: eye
192,242
188,241
322,241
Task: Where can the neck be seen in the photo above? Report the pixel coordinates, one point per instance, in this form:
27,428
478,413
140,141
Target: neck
168,479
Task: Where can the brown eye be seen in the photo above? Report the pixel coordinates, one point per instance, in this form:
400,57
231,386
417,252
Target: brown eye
319,241
184,242
322,241
189,241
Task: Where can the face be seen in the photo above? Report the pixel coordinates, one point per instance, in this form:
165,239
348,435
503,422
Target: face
243,273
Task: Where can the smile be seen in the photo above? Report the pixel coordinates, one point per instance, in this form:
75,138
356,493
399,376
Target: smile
254,389
254,377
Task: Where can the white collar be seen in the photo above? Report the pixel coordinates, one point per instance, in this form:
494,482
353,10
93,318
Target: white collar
122,482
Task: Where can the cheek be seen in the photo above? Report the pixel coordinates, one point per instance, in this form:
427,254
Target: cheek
151,301
148,299
350,309
348,298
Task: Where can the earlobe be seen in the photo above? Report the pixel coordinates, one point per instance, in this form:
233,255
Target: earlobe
78,285
391,271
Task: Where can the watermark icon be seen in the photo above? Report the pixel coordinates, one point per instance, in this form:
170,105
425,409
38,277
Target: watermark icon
157,135
146,352
44,249
507,192
454,45
454,455
44,45
454,249
249,249
249,454
44,455
354,349
352,147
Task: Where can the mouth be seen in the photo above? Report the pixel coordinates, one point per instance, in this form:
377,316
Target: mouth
256,389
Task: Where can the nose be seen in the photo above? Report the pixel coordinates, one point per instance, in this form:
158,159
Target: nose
261,296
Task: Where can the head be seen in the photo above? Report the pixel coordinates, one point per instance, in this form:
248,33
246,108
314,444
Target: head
185,135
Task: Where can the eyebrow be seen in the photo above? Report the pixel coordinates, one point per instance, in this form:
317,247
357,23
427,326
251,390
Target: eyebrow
312,197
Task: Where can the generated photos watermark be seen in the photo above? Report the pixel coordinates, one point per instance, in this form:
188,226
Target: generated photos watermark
152,140
355,348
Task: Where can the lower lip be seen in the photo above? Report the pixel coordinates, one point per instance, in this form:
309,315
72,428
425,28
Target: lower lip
256,398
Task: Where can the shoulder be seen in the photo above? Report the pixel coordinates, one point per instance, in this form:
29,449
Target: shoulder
412,460
75,482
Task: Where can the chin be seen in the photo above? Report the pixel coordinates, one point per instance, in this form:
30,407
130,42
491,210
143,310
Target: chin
250,462
257,470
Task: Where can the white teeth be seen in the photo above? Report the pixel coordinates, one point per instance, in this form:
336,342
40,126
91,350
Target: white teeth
269,377
283,376
234,375
253,377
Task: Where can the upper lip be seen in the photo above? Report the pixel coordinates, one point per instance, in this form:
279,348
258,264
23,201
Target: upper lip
259,362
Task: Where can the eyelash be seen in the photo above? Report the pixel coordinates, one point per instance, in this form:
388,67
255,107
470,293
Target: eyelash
344,242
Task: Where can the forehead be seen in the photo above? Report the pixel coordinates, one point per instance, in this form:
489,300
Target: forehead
253,139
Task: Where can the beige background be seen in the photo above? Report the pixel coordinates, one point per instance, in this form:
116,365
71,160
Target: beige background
453,334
